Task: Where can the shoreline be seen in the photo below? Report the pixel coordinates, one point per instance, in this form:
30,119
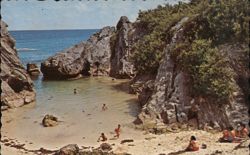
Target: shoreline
151,144
83,128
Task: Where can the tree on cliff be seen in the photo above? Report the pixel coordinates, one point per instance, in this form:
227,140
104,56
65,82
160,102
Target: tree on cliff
211,24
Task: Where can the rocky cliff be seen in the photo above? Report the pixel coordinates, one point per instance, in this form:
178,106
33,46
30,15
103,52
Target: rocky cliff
104,53
17,87
167,99
121,67
90,57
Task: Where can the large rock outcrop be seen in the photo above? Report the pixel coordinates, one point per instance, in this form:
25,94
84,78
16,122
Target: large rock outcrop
90,57
166,99
17,87
121,67
104,53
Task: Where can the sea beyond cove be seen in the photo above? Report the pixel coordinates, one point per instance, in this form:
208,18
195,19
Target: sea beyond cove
81,119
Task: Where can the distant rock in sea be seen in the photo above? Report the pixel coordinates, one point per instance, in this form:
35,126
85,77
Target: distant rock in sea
90,57
17,87
104,53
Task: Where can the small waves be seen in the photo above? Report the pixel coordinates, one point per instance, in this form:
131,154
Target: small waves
26,49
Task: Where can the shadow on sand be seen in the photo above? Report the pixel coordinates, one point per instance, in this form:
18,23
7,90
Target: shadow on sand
133,106
177,152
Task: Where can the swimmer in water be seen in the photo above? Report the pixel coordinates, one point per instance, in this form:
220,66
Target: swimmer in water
104,107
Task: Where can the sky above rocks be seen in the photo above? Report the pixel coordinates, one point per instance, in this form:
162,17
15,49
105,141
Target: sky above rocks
72,14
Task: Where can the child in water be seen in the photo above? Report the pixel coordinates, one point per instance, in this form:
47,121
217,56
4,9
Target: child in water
104,107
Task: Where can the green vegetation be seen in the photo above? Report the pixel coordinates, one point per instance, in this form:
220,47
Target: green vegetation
211,23
209,71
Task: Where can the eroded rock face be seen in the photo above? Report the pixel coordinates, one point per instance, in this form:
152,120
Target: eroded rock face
169,100
121,67
33,69
17,87
50,121
90,57
71,149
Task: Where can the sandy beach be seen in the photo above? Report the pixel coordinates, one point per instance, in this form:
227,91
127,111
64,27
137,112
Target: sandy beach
81,123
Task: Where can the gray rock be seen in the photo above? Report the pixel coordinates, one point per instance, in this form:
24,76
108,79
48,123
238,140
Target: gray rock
121,67
105,147
49,121
33,69
85,58
17,86
71,149
169,99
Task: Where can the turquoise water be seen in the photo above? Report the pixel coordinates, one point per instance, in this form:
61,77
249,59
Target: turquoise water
36,46
80,113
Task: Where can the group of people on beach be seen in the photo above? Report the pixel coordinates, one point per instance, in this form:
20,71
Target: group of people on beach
104,138
117,130
230,135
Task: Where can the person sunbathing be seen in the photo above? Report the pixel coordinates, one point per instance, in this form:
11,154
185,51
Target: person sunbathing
228,135
118,131
243,132
102,138
193,146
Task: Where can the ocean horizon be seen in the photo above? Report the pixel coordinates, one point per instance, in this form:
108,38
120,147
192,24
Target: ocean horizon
34,46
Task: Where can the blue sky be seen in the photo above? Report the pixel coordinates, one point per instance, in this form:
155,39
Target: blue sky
72,14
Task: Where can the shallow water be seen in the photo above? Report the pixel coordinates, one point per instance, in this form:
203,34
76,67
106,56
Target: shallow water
81,114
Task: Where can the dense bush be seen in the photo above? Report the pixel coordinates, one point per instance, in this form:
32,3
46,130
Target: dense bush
211,23
209,70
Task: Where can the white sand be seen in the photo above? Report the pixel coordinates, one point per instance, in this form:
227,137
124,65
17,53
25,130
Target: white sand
23,125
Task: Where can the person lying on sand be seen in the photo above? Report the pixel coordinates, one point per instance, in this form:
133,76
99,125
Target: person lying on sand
118,131
104,107
242,131
228,135
102,138
193,146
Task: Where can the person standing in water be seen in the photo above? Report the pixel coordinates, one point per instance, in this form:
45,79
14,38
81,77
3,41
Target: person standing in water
104,107
75,92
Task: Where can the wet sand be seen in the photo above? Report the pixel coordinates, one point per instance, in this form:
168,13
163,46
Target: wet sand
83,121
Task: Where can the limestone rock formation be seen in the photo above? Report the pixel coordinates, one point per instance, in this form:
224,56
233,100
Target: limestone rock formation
33,69
17,87
121,67
90,57
50,121
169,100
71,149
